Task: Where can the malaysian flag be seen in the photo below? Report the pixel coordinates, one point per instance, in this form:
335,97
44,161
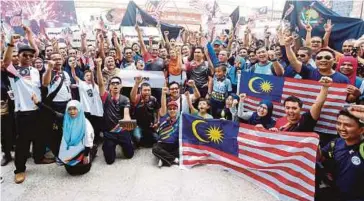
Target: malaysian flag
277,89
154,8
281,163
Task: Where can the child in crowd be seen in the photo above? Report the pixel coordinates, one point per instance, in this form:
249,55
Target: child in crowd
220,90
203,107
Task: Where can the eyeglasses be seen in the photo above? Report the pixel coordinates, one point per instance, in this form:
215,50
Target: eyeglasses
316,41
174,88
28,55
301,55
264,108
114,83
327,57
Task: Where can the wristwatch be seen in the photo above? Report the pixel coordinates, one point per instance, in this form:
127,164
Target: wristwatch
273,60
10,45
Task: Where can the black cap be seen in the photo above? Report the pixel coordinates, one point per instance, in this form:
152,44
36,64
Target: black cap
23,48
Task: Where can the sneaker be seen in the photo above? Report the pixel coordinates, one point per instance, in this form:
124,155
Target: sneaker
19,177
45,161
5,161
160,163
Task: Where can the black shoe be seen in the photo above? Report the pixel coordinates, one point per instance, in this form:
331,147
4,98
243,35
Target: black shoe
5,161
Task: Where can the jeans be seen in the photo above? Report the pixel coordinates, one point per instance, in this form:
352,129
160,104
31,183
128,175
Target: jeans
27,127
144,137
111,140
167,152
215,107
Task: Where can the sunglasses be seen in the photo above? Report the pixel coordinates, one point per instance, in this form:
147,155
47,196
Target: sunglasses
114,83
28,55
327,57
301,55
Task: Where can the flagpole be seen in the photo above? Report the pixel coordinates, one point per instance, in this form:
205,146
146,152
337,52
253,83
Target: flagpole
179,13
361,11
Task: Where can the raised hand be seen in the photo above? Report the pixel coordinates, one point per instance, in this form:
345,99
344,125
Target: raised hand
83,36
325,81
235,102
14,39
191,83
166,33
165,90
27,30
308,27
357,111
51,64
242,97
98,62
328,26
138,79
288,40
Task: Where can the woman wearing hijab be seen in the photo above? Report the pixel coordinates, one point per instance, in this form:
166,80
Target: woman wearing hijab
77,138
261,118
348,66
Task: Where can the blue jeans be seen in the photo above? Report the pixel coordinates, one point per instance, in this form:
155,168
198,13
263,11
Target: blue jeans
111,140
144,137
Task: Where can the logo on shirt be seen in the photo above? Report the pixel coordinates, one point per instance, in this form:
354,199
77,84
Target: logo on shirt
355,160
89,93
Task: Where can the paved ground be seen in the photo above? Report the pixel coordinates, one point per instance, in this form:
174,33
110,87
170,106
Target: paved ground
138,179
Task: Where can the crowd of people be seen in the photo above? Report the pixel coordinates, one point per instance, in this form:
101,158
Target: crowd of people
69,101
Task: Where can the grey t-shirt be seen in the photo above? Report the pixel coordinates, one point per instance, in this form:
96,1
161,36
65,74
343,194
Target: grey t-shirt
199,73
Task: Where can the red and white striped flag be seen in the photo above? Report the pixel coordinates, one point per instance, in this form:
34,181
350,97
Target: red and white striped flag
307,91
155,8
281,163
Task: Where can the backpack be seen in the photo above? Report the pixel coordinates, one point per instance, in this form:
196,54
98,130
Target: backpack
332,149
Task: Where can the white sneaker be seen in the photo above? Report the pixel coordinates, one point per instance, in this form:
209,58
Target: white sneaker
160,163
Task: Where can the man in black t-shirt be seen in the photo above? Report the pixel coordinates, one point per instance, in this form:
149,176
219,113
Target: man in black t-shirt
146,112
116,107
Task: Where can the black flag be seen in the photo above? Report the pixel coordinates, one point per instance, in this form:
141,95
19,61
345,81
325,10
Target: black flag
235,16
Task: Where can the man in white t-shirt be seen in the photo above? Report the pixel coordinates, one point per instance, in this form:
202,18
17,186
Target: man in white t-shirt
90,99
52,78
24,82
175,95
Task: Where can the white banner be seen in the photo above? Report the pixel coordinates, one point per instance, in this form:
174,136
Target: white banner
154,78
130,33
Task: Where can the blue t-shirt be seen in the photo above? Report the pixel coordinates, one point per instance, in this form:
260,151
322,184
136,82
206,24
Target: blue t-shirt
263,69
220,89
168,131
349,170
231,74
310,73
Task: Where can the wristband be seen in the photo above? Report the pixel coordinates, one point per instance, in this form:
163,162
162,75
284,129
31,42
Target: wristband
10,45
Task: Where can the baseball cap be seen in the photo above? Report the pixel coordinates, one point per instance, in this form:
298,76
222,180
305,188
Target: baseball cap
172,103
24,48
217,42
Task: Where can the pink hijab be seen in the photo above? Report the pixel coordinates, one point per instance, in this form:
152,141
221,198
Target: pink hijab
354,62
